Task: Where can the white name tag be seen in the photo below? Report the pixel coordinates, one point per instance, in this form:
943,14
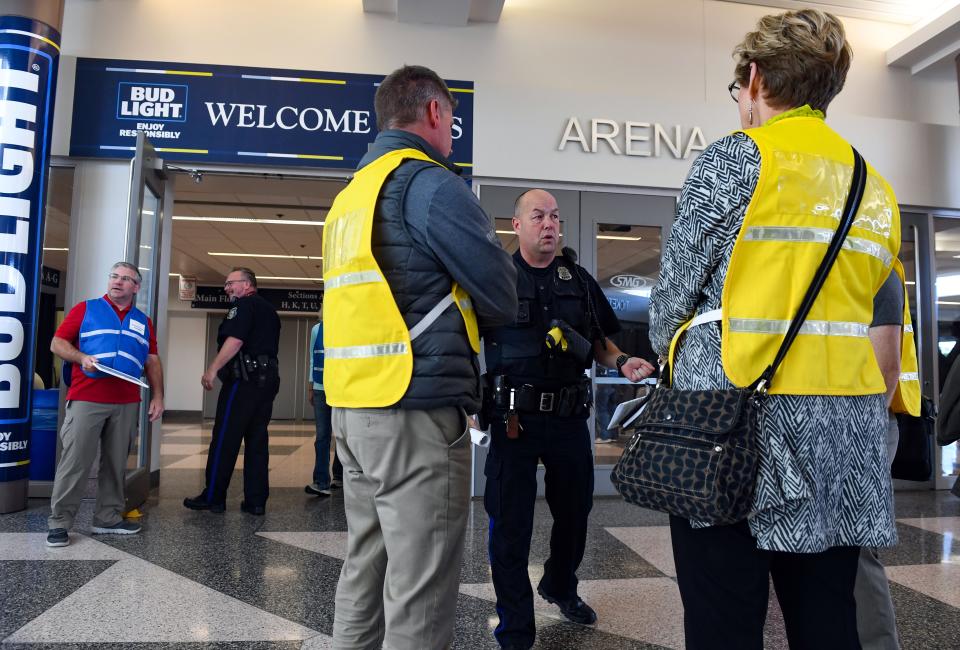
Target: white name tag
138,327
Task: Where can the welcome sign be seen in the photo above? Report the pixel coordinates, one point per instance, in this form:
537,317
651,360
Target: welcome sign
225,114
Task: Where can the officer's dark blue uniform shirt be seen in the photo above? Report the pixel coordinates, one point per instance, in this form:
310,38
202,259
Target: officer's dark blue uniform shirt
562,290
254,321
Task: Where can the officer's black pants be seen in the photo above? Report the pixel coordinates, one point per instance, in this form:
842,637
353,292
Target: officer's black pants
243,412
563,445
724,584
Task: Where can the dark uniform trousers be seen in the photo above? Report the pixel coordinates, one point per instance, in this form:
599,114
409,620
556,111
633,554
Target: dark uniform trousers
563,445
243,413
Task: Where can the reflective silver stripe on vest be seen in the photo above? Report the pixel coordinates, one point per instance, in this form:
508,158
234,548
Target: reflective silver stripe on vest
84,335
909,376
816,327
129,356
819,236
365,351
142,341
105,355
908,329
347,279
431,316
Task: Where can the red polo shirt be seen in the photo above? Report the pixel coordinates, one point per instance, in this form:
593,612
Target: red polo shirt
105,390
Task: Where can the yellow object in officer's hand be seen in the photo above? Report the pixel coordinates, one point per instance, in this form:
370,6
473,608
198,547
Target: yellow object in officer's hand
555,339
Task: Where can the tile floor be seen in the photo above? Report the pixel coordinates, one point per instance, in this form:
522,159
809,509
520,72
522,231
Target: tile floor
195,580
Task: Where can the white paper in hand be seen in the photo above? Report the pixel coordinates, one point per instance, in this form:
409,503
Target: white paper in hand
626,412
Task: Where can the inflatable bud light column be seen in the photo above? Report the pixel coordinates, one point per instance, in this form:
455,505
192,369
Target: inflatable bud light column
29,56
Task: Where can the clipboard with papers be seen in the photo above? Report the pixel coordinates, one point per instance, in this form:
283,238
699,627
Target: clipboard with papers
120,375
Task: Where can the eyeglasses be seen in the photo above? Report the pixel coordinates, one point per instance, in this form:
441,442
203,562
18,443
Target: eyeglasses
125,278
226,285
734,90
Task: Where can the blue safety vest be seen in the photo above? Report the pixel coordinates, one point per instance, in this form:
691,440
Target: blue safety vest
318,356
123,346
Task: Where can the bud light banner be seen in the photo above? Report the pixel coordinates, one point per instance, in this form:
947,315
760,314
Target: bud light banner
29,55
225,114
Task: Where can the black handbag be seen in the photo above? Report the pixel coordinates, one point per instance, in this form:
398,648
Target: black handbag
914,458
695,453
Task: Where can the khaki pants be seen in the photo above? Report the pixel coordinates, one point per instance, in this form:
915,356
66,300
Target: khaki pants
876,620
85,426
406,491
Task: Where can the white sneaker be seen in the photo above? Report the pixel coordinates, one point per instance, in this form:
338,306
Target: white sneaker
315,490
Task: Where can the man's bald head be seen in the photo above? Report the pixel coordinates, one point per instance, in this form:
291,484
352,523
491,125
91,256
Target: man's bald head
531,196
536,220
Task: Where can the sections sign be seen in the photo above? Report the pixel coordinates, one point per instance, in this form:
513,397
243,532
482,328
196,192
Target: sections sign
302,300
227,114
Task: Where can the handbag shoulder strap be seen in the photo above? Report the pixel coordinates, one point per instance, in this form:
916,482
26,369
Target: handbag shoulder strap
854,197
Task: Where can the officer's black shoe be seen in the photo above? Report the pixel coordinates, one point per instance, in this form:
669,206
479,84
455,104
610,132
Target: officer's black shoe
573,608
252,510
200,502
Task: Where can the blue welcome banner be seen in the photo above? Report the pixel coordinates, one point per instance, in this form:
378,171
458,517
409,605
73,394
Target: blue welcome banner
227,114
29,55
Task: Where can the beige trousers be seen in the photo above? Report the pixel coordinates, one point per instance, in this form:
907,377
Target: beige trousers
87,425
406,492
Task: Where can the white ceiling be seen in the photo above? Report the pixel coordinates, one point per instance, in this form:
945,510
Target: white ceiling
908,12
272,197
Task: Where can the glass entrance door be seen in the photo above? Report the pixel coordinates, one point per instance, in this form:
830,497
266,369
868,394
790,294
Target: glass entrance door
620,238
150,203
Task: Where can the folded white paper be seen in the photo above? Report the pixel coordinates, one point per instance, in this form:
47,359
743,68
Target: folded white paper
479,438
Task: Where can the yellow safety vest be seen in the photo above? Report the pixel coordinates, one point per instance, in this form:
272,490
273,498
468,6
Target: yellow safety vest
906,399
367,346
796,207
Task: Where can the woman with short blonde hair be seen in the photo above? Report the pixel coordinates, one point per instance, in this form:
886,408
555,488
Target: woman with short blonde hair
754,219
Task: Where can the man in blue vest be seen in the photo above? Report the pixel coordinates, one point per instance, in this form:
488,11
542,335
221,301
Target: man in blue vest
321,469
102,409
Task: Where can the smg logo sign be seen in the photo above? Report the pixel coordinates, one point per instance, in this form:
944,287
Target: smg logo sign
136,101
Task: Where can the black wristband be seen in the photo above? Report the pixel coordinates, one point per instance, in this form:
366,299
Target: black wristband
622,359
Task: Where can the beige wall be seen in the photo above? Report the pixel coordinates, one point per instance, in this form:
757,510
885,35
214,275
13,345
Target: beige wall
547,60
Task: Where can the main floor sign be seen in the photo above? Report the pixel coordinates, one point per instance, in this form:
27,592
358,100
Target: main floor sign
226,114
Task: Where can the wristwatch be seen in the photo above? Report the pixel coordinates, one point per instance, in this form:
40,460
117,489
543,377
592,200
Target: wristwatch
622,359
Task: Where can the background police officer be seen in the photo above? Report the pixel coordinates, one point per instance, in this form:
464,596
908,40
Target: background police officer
537,404
246,364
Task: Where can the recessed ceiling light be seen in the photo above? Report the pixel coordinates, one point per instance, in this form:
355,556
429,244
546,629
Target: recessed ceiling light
55,249
285,222
619,237
270,277
293,257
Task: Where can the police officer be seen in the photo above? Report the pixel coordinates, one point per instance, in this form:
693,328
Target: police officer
246,364
537,402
